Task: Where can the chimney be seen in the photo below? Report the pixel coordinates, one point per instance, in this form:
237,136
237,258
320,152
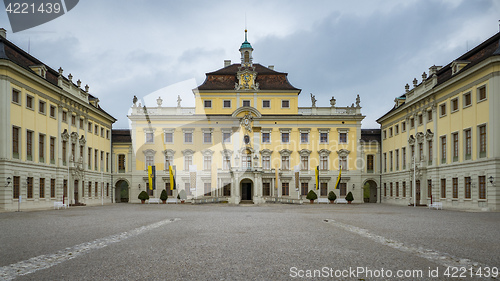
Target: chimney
227,63
3,33
271,67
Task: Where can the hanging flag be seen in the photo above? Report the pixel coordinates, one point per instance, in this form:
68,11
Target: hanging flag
152,177
338,178
172,178
316,173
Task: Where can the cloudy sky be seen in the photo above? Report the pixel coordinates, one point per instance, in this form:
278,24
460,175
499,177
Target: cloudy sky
328,48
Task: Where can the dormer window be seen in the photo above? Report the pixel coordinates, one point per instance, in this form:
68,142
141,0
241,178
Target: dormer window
457,65
41,70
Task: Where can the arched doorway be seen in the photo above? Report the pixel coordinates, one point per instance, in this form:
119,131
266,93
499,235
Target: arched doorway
246,190
121,192
370,191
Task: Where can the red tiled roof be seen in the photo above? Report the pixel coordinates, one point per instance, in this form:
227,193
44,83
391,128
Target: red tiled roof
225,79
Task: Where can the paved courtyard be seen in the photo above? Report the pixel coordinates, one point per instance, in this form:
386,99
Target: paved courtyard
248,242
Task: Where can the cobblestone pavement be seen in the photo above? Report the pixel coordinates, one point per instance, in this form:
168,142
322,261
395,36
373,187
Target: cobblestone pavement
248,242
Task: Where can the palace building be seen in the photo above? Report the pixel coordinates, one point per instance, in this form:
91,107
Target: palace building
56,139
443,134
246,140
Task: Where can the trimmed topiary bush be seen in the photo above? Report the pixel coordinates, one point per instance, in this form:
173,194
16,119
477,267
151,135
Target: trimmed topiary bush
143,196
312,195
163,195
332,196
349,197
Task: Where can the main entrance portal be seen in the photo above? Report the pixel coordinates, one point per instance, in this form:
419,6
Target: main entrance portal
246,190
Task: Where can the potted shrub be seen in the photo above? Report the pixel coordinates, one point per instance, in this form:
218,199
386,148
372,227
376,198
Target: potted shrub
143,196
182,196
312,196
164,196
332,197
349,197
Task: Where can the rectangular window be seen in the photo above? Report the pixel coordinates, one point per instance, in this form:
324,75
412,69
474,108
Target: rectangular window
188,137
207,137
285,162
429,115
397,189
323,137
304,188
90,189
15,96
385,134
443,188
107,190
482,141
266,137
391,159
169,161
455,187
96,189
107,134
30,187
226,137
121,163
443,150
65,188
403,159
482,187
467,99
65,116
41,148
369,163
429,188
227,189
207,188
52,188
81,123
73,120
285,188
102,132
323,191
169,137
102,161
89,127
150,161
285,104
246,102
455,146
404,189
52,111
343,138
442,110
16,187
15,142
385,162
412,147
227,103
52,150
266,104
390,132
96,159
343,163
468,144
41,107
285,137
412,123
41,191
454,105
421,151
89,159
266,189
467,187
29,102
226,162
323,162
167,188
96,129
429,152
149,137
304,137
390,188
188,161
420,120
385,189
207,103
266,162
343,189
481,93
207,163
403,127
107,160
304,162
396,129
29,145
397,160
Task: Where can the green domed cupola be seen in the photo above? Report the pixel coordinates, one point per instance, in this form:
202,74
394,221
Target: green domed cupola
246,52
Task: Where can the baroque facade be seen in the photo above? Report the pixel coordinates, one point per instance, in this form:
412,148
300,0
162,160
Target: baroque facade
56,139
246,140
442,136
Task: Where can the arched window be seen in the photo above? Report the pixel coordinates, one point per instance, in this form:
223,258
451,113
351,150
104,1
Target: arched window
247,57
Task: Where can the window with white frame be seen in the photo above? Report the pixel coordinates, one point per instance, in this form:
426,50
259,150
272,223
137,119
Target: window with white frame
227,103
150,138
246,161
482,141
481,93
207,162
207,137
468,143
246,102
149,156
226,136
207,103
266,104
285,136
285,159
467,99
343,157
169,161
304,136
266,162
168,135
226,162
188,136
324,156
266,136
323,135
188,161
304,162
343,135
285,104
